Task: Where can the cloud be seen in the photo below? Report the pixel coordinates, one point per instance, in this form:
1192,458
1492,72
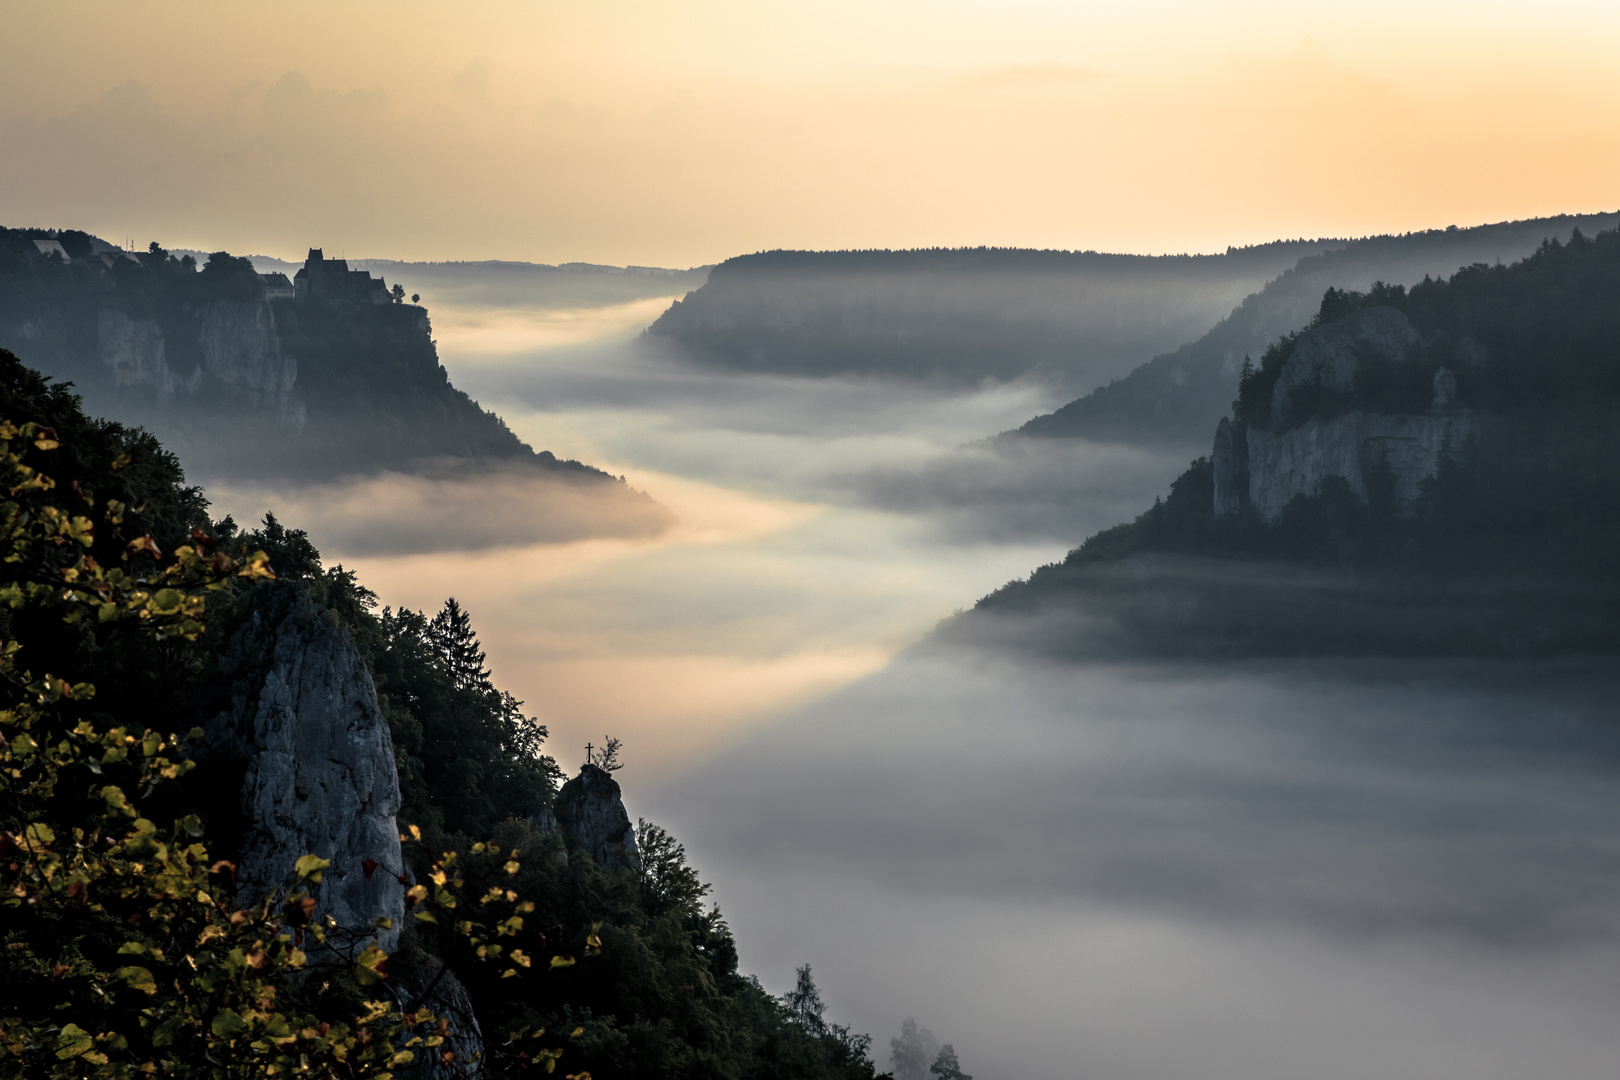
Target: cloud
1353,798
1058,489
454,507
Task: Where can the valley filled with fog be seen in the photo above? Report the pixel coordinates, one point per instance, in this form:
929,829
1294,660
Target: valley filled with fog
1083,869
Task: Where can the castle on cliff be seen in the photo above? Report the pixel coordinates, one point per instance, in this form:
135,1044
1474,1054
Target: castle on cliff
331,279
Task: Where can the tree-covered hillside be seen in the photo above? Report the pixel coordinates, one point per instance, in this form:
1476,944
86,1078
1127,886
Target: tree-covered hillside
1071,318
1510,547
1177,397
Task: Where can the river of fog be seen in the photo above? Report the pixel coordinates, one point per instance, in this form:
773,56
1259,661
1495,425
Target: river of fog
1256,871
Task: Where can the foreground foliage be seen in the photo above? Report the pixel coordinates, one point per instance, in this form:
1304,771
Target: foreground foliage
126,952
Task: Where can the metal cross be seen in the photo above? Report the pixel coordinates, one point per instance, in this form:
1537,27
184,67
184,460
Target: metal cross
588,749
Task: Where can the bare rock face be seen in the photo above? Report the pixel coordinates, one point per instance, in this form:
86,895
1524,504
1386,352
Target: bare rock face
590,812
1263,469
320,776
442,994
240,347
1331,354
134,351
1352,446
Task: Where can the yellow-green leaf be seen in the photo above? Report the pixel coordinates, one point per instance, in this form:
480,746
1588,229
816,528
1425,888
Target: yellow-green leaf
138,978
72,1041
309,867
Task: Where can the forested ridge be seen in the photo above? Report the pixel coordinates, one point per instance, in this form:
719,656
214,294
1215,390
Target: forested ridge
957,314
1512,543
1176,397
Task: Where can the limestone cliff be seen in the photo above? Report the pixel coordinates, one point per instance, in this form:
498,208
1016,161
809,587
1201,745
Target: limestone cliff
1262,468
133,350
240,348
590,814
320,776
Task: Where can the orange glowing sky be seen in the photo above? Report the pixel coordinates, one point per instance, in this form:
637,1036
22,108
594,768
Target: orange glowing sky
634,131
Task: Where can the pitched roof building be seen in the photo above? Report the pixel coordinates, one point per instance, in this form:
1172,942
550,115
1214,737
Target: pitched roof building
331,279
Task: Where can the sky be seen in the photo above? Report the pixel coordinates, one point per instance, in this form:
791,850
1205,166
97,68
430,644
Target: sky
643,132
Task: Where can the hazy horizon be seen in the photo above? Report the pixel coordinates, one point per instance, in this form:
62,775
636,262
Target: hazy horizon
630,134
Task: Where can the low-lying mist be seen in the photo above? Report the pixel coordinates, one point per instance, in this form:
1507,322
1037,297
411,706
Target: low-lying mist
453,505
1258,870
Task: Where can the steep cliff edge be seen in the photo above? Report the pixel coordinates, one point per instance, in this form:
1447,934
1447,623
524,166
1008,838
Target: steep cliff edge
1305,441
320,779
133,350
303,722
246,381
242,349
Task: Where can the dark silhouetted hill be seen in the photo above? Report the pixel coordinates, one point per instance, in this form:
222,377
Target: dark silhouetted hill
1177,397
963,315
1423,471
242,378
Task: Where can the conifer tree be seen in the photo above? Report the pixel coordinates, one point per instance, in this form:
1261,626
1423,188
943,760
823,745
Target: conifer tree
451,634
946,1066
804,1005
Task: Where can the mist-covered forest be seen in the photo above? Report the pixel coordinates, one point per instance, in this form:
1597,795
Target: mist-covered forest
1072,318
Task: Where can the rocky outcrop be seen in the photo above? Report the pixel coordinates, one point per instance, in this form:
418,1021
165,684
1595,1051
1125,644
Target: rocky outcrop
1353,446
1329,356
133,350
591,816
241,348
439,991
1262,469
320,775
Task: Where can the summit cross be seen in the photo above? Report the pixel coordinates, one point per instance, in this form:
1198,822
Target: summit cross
588,749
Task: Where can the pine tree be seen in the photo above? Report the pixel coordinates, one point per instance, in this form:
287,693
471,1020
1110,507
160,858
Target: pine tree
946,1066
804,1005
452,636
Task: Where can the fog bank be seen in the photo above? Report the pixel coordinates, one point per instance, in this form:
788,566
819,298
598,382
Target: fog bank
1260,870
